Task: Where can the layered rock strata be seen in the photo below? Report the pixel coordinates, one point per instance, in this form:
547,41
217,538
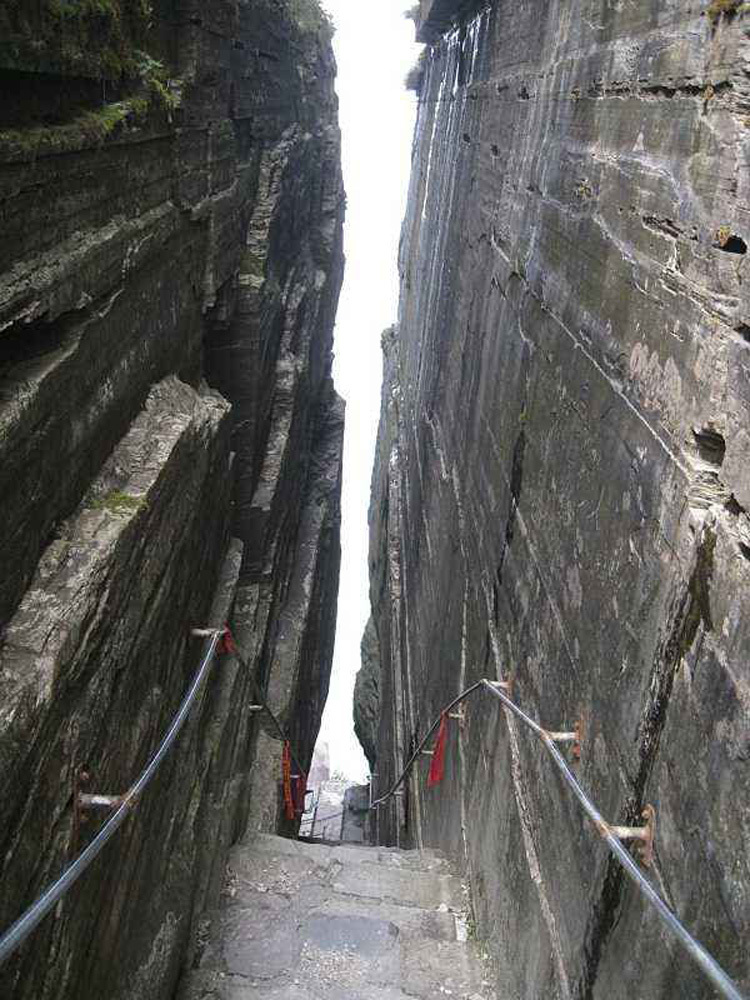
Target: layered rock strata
367,695
561,484
172,206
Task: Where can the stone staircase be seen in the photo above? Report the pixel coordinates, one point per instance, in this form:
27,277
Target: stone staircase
313,922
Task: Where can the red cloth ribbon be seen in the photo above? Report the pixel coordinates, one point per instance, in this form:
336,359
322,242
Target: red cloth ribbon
286,778
227,643
437,764
300,787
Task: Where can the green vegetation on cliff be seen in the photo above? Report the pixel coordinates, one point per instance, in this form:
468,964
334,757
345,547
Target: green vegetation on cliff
117,502
728,7
88,38
153,98
90,128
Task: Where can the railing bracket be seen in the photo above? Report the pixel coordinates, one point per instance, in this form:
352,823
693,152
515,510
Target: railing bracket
561,737
86,801
573,737
80,777
506,686
644,833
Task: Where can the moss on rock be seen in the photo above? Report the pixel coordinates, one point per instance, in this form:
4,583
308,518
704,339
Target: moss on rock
717,8
89,128
119,503
87,38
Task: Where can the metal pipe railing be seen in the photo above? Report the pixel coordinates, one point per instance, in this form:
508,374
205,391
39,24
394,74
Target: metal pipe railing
20,930
123,805
234,650
417,753
610,834
29,920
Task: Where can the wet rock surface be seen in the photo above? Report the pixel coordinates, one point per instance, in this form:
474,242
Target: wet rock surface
172,207
303,921
560,479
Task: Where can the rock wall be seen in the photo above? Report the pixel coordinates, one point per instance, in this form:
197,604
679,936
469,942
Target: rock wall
367,695
171,243
561,487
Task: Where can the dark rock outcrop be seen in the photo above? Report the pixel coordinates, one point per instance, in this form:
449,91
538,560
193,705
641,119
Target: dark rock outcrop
171,239
356,819
561,483
367,695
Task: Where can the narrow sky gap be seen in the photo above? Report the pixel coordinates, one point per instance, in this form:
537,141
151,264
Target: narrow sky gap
375,48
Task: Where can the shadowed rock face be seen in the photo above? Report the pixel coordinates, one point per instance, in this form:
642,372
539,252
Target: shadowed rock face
172,209
560,489
367,695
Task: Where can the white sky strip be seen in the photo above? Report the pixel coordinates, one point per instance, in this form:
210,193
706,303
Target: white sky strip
375,48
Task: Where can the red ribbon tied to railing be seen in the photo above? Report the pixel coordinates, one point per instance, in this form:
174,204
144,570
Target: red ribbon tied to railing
300,787
286,777
226,643
437,763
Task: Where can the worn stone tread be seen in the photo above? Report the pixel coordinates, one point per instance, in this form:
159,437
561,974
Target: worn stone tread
424,860
306,921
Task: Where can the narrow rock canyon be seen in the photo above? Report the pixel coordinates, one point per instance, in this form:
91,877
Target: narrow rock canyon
560,502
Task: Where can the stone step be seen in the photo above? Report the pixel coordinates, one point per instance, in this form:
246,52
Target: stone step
426,860
303,921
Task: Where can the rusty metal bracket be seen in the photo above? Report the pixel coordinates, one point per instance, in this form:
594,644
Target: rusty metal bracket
573,737
506,686
80,778
561,737
86,801
644,833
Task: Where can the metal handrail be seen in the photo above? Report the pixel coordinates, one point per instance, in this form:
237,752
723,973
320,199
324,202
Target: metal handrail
695,949
29,920
123,806
235,651
20,930
415,756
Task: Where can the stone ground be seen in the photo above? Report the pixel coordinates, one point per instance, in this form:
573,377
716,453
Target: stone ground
313,922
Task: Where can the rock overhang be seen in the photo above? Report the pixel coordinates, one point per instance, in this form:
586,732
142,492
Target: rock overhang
436,17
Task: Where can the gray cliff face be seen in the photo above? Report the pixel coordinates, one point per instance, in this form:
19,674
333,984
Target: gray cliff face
171,244
367,695
561,486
